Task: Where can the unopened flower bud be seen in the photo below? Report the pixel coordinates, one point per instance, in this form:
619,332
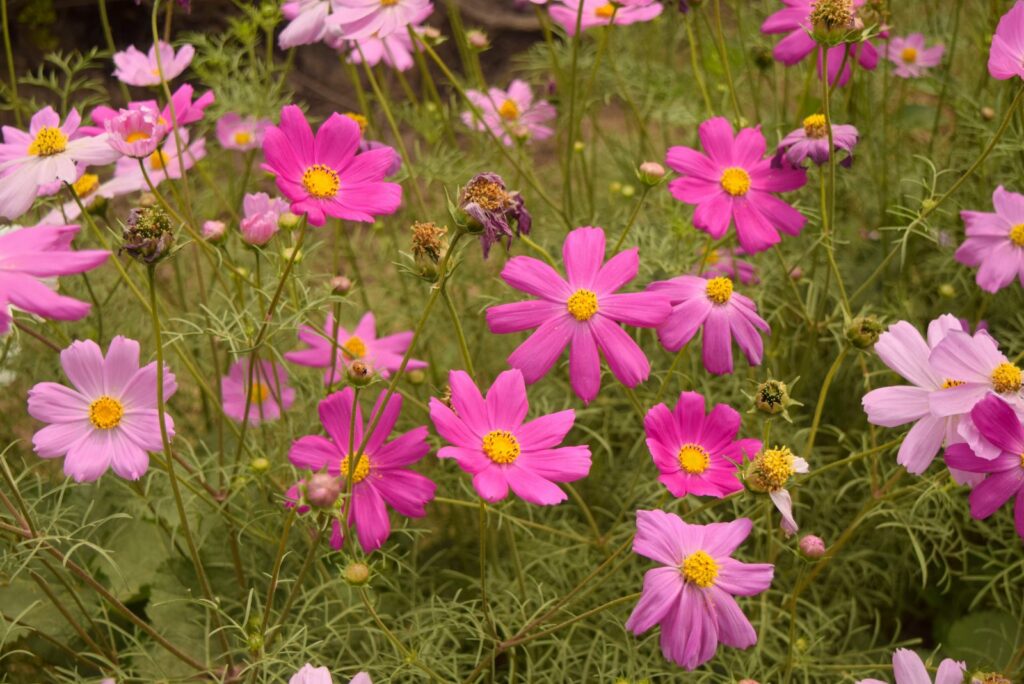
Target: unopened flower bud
812,546
628,191
147,199
416,377
578,146
747,681
356,574
864,331
615,187
929,204
430,34
477,39
213,230
987,113
259,465
651,173
323,489
359,374
288,221
147,235
340,285
287,252
947,290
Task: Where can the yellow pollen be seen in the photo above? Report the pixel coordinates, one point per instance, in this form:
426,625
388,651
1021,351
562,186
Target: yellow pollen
909,54
605,11
582,305
719,290
950,382
48,141
243,137
508,110
158,160
501,446
693,459
700,569
388,3
814,126
1006,378
712,257
259,393
106,413
321,181
361,471
1017,235
136,136
359,119
736,181
775,467
86,184
354,348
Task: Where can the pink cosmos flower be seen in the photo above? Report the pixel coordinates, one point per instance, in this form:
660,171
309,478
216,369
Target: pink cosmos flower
582,311
697,454
27,256
908,668
691,595
359,19
1004,475
810,141
269,396
492,443
380,477
723,263
109,419
911,57
214,230
601,13
137,69
382,354
1006,56
261,216
511,115
995,241
394,50
723,314
161,165
88,188
135,133
324,176
48,152
306,22
732,184
321,675
186,111
235,132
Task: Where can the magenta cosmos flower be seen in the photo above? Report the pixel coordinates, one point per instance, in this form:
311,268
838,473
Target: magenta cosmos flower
908,668
493,444
1006,56
135,133
268,397
138,69
810,141
722,313
733,184
260,221
235,132
324,176
582,311
27,256
358,19
691,596
1004,474
380,477
510,115
109,419
911,57
321,675
697,454
382,354
601,13
995,241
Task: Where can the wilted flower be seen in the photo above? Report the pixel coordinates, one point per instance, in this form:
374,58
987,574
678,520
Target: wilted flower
770,472
498,213
147,235
772,397
863,331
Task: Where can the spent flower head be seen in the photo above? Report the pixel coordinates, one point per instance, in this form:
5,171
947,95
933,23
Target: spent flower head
147,235
493,211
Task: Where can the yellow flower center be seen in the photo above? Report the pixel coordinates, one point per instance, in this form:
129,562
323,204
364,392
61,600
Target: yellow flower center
86,184
106,413
736,181
388,3
158,160
582,305
48,140
243,137
136,136
605,11
359,119
1017,235
361,471
693,459
508,110
259,393
321,181
354,348
909,54
814,126
1006,378
775,467
719,290
700,569
950,382
501,446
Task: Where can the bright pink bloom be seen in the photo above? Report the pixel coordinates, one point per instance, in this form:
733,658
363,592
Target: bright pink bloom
135,133
306,22
908,668
380,475
601,13
261,216
995,241
1004,475
161,165
733,183
135,68
27,256
109,419
493,444
691,595
235,132
269,396
359,19
696,453
382,354
324,176
810,141
511,115
582,311
722,313
911,57
1006,56
321,675
185,110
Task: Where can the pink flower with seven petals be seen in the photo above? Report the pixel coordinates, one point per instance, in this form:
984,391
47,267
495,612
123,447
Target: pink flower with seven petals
1006,56
269,396
137,69
995,241
511,115
907,668
911,57
601,13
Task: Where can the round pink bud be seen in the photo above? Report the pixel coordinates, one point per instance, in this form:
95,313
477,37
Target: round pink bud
322,490
213,230
651,172
748,681
812,546
340,285
477,39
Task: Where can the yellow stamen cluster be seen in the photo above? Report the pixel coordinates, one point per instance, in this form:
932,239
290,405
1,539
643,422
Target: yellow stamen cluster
719,290
582,304
359,119
1017,235
693,459
605,11
361,471
136,136
259,393
508,110
354,348
774,467
86,184
1006,378
388,3
243,137
49,140
106,413
501,446
158,160
950,382
814,126
909,55
701,569
486,193
321,181
736,181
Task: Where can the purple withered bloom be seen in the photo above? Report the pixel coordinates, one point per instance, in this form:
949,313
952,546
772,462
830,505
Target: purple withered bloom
500,213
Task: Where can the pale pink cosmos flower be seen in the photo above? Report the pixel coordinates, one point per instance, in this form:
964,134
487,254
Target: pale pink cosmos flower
358,19
29,256
214,230
723,314
138,69
692,594
161,165
810,141
734,183
582,311
235,132
323,176
306,22
394,50
109,419
908,668
269,395
911,57
601,13
321,675
490,440
1006,56
383,355
994,242
510,115
88,188
135,133
260,222
725,263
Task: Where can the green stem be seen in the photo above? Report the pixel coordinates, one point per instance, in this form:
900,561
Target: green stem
724,54
460,335
632,218
11,74
820,406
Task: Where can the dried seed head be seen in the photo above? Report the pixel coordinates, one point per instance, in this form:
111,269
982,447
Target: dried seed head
864,331
147,235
